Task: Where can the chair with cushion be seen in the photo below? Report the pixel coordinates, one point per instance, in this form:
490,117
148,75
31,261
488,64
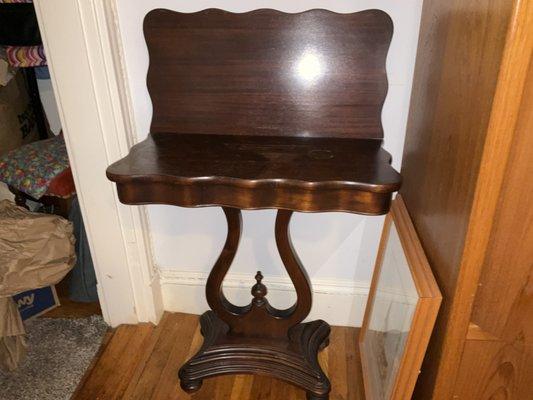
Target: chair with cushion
40,171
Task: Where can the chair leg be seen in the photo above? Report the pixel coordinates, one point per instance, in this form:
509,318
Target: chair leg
62,206
20,199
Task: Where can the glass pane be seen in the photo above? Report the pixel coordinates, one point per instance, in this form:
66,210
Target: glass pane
394,306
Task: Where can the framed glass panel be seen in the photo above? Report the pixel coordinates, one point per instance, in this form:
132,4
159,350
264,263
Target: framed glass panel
401,311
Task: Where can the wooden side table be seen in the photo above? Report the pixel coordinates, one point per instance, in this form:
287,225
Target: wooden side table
263,110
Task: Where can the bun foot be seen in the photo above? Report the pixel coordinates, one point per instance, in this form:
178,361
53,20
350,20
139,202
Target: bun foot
324,344
312,396
191,386
291,358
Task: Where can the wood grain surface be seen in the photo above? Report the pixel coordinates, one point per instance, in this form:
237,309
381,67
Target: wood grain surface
259,338
263,110
472,60
265,72
141,362
502,363
302,174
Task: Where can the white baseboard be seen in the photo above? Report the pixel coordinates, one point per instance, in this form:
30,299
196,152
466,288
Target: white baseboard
339,302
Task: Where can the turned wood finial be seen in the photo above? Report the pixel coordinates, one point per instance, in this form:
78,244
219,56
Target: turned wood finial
259,290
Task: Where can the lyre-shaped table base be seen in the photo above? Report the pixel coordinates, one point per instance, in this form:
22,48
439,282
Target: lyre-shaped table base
259,338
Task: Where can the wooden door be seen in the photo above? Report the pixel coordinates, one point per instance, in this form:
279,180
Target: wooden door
471,67
498,354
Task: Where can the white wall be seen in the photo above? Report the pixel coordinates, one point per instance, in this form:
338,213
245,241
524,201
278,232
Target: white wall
95,123
49,102
337,249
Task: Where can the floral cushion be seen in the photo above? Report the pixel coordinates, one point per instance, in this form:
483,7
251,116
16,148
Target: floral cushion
62,185
32,167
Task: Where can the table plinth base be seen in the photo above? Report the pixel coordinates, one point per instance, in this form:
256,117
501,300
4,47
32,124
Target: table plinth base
292,358
258,338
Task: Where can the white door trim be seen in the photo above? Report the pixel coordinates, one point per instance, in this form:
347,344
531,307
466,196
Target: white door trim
82,44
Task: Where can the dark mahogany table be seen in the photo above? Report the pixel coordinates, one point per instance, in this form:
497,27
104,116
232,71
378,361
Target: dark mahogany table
263,110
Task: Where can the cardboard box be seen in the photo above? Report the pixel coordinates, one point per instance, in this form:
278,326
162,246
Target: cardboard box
33,303
17,119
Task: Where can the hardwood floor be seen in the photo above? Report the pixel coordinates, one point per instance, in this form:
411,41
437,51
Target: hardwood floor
142,362
69,308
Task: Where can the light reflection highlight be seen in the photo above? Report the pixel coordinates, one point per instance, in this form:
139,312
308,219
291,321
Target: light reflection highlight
310,67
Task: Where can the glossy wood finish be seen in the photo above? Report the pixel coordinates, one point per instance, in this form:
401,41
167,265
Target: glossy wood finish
263,110
425,314
259,318
494,370
301,174
466,94
294,360
258,338
312,74
140,362
501,360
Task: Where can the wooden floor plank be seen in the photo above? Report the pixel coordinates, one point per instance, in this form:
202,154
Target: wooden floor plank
242,387
355,388
105,342
145,355
153,369
182,335
136,348
71,309
224,386
141,362
102,381
337,365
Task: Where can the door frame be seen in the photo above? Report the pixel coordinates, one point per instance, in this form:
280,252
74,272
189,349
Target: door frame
84,52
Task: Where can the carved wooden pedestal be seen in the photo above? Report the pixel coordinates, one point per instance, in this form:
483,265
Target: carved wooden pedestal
292,358
259,338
